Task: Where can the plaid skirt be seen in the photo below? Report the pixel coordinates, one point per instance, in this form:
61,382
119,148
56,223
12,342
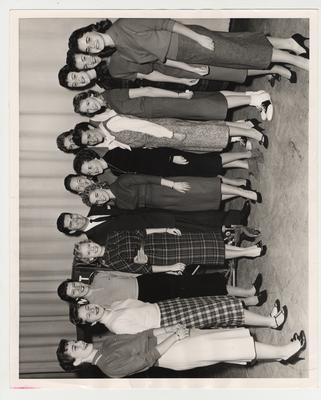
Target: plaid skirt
189,248
202,312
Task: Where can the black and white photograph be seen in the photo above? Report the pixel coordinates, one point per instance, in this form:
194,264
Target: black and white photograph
165,196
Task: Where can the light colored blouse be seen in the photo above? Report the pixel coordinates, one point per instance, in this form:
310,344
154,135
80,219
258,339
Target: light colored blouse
132,316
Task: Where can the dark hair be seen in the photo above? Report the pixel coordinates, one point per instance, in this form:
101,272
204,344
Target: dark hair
61,223
86,193
83,96
78,129
63,75
73,314
100,27
69,177
83,156
62,291
60,142
65,360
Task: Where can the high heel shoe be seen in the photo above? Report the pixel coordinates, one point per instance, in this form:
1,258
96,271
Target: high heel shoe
274,78
266,110
262,247
276,308
283,312
258,197
262,297
293,78
247,186
257,284
299,39
295,357
264,141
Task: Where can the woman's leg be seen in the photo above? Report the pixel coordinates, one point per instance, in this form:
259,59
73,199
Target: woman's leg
237,164
253,319
286,44
246,132
240,292
273,352
233,182
276,69
229,157
238,252
228,190
280,56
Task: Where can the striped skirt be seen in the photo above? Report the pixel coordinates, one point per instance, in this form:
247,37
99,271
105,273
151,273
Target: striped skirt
202,312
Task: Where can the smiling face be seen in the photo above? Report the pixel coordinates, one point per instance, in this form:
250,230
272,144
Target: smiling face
86,61
77,289
79,183
99,196
79,349
89,250
92,136
78,79
89,105
75,222
92,167
90,312
91,42
69,143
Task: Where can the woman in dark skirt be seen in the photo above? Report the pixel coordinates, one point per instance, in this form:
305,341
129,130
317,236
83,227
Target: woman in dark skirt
84,71
151,102
160,162
168,41
139,191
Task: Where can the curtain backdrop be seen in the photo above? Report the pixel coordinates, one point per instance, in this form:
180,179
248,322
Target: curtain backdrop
46,254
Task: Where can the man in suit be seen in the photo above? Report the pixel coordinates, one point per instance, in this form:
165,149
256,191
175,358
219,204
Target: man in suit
101,221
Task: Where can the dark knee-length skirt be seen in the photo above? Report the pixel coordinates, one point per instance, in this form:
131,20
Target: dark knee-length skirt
245,50
202,312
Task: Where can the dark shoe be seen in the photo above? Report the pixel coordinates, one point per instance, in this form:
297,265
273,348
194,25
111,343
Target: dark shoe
274,78
300,41
257,283
293,78
262,297
247,186
284,312
262,247
245,212
258,197
264,141
295,357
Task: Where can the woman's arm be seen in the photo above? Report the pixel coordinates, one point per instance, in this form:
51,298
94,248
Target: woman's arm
156,92
181,187
204,41
171,231
178,267
159,77
201,70
180,334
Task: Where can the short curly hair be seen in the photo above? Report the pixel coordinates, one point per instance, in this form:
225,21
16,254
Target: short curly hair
78,130
63,75
82,156
77,253
68,178
83,96
100,27
61,139
86,193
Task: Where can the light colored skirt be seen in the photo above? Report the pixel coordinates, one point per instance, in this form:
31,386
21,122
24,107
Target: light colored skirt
210,346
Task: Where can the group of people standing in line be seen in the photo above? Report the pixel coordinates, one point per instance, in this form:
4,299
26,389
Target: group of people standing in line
149,163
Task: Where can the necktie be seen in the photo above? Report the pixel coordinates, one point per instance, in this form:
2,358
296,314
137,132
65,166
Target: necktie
99,219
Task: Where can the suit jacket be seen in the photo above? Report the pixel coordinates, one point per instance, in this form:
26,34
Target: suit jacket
127,220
